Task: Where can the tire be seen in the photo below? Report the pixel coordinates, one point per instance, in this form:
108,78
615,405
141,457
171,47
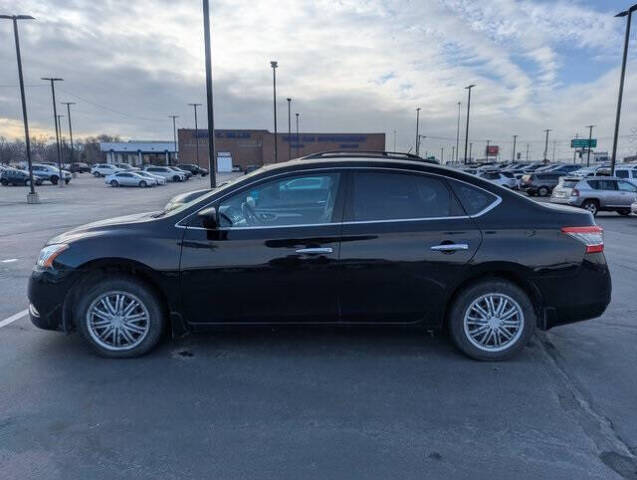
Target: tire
465,318
543,191
591,206
176,178
54,179
624,211
96,174
38,182
4,182
114,183
143,184
93,318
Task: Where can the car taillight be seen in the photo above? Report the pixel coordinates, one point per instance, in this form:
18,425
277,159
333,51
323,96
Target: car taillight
575,192
592,237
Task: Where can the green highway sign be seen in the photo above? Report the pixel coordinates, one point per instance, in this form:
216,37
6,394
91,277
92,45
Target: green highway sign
584,143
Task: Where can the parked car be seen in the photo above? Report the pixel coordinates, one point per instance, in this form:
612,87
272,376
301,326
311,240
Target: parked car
186,173
169,174
251,168
633,207
129,179
627,172
193,168
51,173
184,198
540,184
256,251
596,194
159,180
127,166
79,167
104,169
589,171
499,178
13,176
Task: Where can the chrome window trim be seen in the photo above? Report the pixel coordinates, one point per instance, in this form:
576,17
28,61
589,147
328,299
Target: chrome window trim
487,209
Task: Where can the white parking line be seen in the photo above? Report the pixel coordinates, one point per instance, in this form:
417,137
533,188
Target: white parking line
10,260
14,317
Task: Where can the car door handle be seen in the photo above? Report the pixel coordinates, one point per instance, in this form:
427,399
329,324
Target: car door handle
315,251
450,247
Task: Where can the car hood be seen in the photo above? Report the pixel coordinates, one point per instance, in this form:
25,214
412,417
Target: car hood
101,227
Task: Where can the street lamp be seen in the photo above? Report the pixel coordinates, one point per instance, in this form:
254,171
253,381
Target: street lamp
194,106
174,133
457,135
417,130
466,135
55,120
588,154
289,129
274,66
68,112
297,134
546,145
627,13
209,107
32,197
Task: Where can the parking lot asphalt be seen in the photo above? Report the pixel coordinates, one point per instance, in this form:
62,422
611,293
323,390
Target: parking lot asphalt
306,403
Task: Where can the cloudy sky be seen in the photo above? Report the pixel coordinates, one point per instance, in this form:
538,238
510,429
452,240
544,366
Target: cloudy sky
349,66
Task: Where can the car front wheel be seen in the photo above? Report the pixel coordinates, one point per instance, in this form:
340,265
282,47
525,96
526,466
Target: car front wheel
120,317
624,211
591,206
143,184
114,183
492,320
543,191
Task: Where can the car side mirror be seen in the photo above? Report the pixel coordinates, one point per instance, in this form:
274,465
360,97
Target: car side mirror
208,217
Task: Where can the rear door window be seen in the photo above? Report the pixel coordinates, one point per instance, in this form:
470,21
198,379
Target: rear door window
473,199
626,186
607,184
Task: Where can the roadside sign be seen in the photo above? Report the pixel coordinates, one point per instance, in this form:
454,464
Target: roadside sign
583,143
493,150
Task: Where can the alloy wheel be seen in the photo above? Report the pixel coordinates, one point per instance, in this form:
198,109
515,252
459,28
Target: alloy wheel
118,321
493,322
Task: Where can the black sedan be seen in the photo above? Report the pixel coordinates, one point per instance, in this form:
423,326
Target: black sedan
193,168
329,242
14,176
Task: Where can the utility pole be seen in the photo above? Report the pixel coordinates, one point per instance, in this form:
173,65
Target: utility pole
554,145
194,106
209,106
394,140
32,197
527,152
68,112
453,154
457,136
546,145
515,138
417,130
442,155
575,149
289,129
55,120
487,151
466,136
297,134
59,125
588,153
274,66
174,133
470,157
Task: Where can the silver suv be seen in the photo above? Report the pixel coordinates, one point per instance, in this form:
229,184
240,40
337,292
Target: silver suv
596,194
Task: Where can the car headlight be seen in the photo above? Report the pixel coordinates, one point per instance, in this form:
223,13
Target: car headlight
50,253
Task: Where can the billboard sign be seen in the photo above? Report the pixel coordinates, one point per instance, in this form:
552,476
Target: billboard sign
493,150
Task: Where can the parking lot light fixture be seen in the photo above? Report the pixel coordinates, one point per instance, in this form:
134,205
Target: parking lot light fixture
417,130
274,64
297,133
209,106
590,137
546,145
626,13
515,138
174,133
55,121
289,128
466,134
68,111
32,196
194,106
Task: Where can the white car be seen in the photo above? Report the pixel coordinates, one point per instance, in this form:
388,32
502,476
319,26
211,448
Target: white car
127,167
129,179
160,180
51,173
104,169
169,174
504,179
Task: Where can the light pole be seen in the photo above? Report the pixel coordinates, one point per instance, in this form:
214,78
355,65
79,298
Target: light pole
442,155
274,66
515,138
527,152
487,151
394,140
174,133
289,128
627,13
457,135
418,142
68,112
211,117
470,148
417,130
588,154
32,197
59,125
453,154
55,120
546,145
297,134
466,136
194,106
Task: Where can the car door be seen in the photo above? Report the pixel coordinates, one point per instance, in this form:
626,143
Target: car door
627,192
610,196
405,241
270,256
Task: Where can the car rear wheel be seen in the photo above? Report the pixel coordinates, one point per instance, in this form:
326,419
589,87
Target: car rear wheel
492,320
96,174
624,211
543,191
591,206
4,182
176,178
55,179
143,184
120,318
67,180
114,183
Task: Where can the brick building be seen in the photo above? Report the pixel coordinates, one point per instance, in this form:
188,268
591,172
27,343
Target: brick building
256,147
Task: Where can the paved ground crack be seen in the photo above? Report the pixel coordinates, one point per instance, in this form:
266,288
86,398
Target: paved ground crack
612,450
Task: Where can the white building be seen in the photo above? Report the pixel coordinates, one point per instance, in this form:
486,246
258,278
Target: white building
138,152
